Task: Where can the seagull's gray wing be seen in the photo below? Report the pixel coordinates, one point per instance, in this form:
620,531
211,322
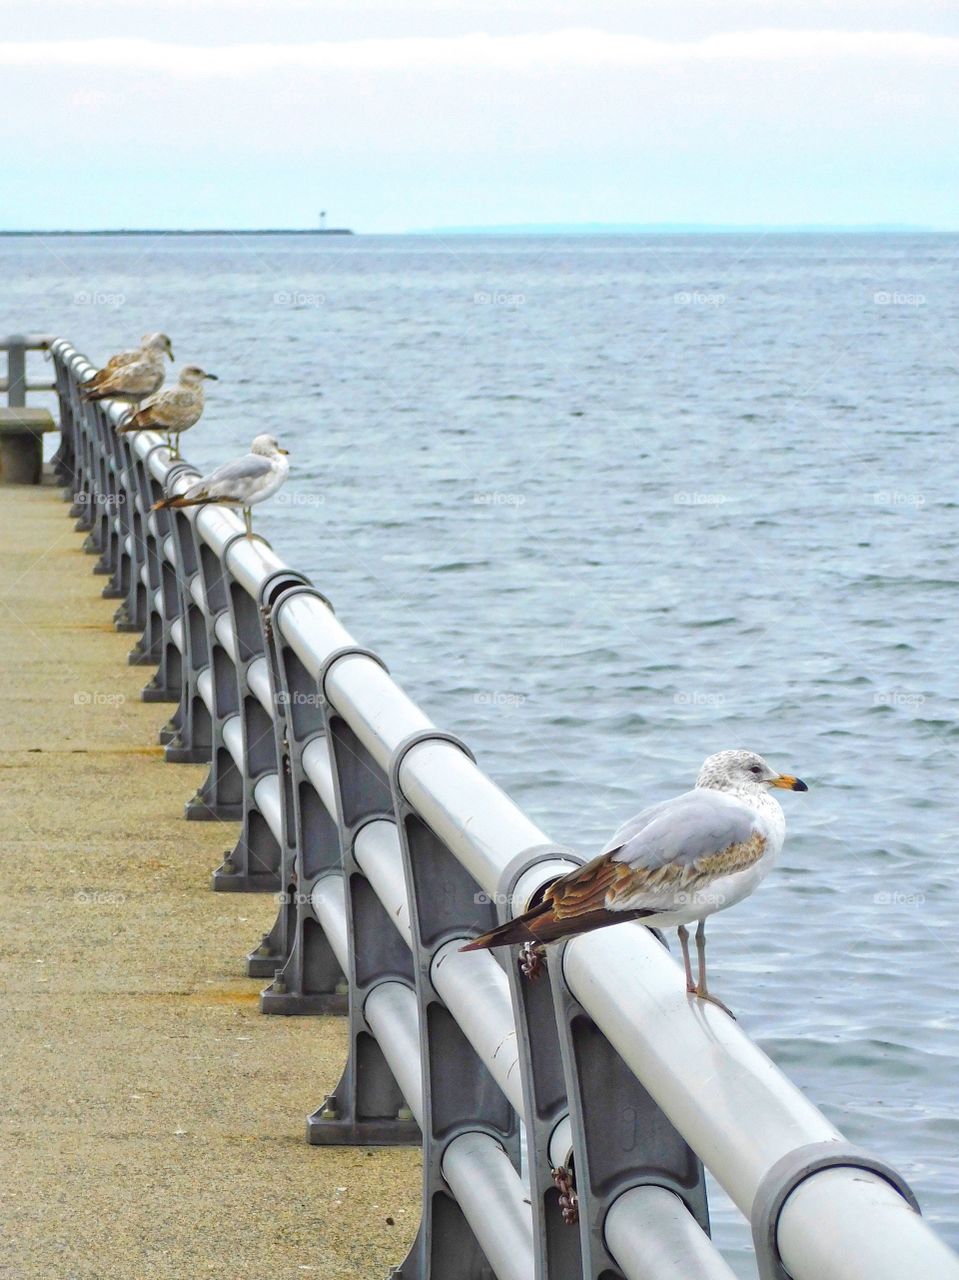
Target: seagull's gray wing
670,848
698,824
236,479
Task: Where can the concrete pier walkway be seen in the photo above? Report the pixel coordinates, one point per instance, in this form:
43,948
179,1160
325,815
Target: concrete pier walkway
153,1119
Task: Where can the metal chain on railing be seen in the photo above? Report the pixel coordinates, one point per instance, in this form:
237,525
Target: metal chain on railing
564,1123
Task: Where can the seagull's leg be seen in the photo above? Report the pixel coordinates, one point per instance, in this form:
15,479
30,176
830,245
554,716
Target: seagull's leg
683,934
175,444
248,517
701,989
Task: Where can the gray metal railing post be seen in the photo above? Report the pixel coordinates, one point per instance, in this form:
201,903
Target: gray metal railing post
16,371
545,1106
620,1137
153,596
188,735
460,1096
256,862
66,457
367,1106
222,794
296,954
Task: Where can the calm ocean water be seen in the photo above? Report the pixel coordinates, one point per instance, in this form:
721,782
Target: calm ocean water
609,504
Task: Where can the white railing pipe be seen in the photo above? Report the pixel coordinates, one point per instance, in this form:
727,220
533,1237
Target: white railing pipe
495,1202
391,1012
850,1224
475,989
329,906
653,1236
377,851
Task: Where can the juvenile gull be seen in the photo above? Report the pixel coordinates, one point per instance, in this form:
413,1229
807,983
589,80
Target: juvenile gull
174,410
155,342
675,862
241,483
131,382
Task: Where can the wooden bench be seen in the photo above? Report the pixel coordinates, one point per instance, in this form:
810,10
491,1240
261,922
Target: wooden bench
21,444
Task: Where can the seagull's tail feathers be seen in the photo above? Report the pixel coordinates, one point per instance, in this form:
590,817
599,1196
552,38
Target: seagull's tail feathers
541,924
180,501
139,420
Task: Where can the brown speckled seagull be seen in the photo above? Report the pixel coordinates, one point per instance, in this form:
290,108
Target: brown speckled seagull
674,863
150,342
174,410
130,383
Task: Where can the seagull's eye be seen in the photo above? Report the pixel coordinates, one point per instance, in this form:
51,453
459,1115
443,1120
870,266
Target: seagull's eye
754,768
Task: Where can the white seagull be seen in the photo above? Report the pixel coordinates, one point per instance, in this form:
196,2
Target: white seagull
674,863
174,410
241,483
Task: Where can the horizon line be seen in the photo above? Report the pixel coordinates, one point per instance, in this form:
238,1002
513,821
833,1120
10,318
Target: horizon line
532,228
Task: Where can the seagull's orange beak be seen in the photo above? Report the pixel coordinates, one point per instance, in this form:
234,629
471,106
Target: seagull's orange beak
789,783
285,452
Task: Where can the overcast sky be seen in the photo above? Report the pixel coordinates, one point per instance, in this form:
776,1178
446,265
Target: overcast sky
401,114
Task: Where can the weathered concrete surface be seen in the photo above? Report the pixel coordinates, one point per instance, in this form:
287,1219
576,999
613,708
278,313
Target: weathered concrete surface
152,1118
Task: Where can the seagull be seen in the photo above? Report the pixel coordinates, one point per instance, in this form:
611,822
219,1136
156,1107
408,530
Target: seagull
241,483
674,863
174,410
131,382
155,342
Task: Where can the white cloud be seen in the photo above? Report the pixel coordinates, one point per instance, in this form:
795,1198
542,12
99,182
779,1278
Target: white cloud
573,49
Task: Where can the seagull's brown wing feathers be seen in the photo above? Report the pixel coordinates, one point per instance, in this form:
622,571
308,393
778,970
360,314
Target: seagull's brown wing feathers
587,889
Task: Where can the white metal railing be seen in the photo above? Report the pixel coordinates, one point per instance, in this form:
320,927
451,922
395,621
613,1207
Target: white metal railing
597,1095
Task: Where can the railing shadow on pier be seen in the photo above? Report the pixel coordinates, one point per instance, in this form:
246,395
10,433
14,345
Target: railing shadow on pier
565,1123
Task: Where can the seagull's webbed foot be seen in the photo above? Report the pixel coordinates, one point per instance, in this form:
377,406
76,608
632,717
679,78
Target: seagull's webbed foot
532,961
701,993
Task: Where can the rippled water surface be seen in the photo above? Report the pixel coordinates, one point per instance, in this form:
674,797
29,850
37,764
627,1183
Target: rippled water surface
607,505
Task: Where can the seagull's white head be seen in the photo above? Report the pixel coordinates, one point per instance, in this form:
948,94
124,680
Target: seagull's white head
192,375
743,771
268,446
157,342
